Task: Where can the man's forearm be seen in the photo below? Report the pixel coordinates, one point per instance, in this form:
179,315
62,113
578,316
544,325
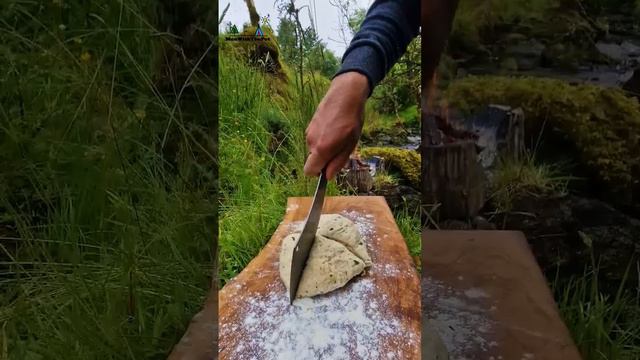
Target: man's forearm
387,30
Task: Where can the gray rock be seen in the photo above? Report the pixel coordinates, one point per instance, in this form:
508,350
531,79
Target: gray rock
402,197
630,48
526,53
480,223
632,86
612,51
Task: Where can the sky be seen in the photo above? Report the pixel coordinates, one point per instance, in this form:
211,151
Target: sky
327,16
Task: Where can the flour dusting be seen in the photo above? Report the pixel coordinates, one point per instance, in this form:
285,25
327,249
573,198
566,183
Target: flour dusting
350,323
463,324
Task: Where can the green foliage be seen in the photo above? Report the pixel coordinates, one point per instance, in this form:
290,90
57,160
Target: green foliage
603,326
261,156
383,181
356,19
396,126
316,56
401,86
409,225
516,179
475,17
601,123
407,161
106,187
480,23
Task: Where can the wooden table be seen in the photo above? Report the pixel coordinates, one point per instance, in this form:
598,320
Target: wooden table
253,307
487,298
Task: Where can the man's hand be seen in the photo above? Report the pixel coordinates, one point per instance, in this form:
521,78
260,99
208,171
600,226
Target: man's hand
335,128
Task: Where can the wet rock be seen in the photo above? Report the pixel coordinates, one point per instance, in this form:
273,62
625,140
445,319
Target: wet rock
480,223
402,197
526,53
630,48
632,86
563,56
612,51
566,231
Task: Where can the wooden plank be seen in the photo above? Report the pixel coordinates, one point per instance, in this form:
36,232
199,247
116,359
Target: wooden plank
486,296
253,307
199,342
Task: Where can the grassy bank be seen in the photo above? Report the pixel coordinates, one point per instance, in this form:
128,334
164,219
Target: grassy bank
107,203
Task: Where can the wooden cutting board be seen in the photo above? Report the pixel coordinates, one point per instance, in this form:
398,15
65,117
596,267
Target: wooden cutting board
375,316
487,298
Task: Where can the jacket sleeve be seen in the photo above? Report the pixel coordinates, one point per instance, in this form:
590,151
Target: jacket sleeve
388,28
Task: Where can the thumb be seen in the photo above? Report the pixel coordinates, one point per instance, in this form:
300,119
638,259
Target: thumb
314,164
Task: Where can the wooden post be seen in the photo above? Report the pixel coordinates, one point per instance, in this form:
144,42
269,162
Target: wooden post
511,142
453,178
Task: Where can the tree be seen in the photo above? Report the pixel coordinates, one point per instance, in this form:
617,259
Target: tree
253,13
315,55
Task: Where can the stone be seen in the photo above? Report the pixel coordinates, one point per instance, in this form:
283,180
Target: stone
480,223
630,48
612,51
632,86
401,198
526,53
566,231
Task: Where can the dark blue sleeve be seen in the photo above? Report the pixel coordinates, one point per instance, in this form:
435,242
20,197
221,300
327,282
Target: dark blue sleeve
387,30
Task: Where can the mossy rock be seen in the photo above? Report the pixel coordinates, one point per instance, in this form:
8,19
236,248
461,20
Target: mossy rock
407,161
602,124
264,52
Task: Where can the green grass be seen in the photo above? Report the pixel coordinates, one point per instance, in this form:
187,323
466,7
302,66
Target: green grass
107,189
515,179
259,169
262,152
604,326
393,125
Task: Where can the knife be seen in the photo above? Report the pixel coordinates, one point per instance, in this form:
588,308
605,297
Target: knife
303,246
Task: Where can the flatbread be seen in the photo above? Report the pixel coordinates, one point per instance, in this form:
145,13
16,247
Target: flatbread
338,255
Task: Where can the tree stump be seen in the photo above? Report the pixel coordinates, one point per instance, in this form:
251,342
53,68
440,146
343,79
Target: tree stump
453,178
355,176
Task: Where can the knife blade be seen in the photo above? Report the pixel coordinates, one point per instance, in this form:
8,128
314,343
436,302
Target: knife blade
305,241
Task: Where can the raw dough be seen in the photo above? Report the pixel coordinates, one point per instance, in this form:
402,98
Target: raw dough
343,230
338,254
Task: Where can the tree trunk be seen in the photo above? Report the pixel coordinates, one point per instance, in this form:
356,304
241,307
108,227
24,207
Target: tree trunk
253,13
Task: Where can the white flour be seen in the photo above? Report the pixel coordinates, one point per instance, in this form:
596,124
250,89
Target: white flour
464,325
351,323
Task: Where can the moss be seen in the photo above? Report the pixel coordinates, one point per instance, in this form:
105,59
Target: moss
601,123
264,53
407,161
